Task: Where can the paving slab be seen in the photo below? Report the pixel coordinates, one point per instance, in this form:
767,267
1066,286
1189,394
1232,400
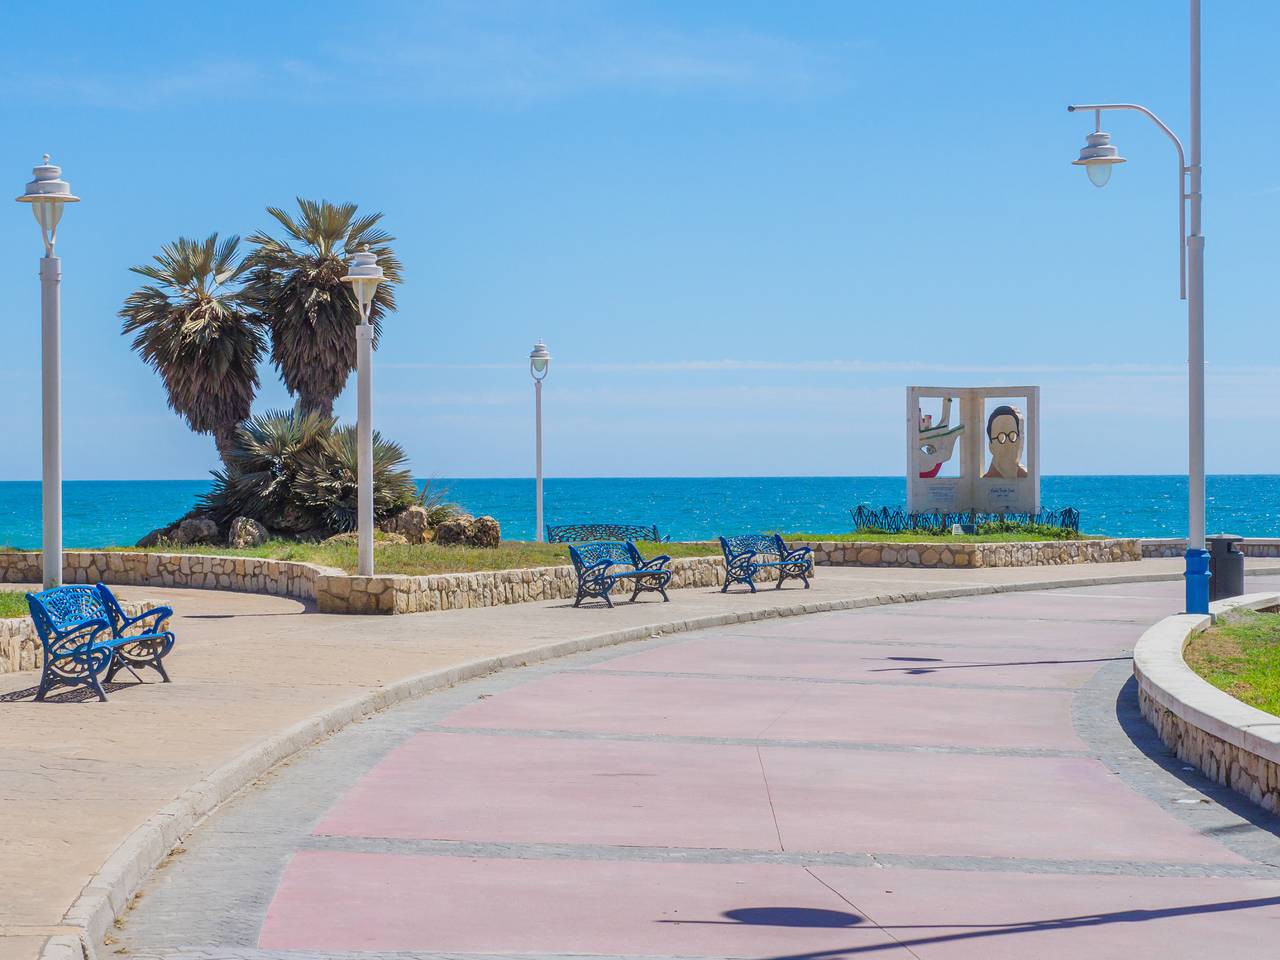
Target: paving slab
512,789
343,901
984,916
674,705
726,656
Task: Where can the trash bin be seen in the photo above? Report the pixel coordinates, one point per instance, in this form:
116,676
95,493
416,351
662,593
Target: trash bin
1226,566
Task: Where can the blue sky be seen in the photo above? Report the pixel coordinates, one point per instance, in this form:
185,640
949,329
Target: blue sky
742,227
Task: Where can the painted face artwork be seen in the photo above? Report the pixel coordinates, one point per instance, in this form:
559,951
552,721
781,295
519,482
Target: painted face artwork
1005,440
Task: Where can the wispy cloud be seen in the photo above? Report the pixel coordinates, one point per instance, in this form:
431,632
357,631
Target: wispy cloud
727,365
512,53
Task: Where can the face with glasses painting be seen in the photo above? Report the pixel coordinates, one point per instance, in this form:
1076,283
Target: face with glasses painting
1005,440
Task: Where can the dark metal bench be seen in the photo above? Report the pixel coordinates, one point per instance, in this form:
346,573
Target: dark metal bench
746,556
86,633
602,565
597,532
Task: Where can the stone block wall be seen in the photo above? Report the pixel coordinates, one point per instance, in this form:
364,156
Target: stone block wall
974,555
392,594
1255,776
121,568
1176,547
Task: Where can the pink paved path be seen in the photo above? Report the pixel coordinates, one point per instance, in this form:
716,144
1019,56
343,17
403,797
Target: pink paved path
918,781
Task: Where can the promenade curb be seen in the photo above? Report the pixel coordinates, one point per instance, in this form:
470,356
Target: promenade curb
1231,742
108,893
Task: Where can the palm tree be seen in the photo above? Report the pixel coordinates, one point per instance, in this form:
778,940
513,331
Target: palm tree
297,285
195,324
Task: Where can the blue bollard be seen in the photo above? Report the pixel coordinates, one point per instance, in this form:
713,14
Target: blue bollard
1197,577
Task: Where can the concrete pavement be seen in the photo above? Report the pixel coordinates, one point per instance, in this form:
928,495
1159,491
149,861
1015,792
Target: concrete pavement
82,778
950,779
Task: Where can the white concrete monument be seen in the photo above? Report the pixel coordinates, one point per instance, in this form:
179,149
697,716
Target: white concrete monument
980,452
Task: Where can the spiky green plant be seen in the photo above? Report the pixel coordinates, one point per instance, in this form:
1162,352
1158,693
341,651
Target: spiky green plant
262,468
328,479
196,326
296,473
297,285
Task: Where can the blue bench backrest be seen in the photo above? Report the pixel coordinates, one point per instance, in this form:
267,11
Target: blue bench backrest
60,609
601,532
757,543
616,551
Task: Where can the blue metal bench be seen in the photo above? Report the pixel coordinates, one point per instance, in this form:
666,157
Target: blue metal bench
594,532
602,565
86,633
746,556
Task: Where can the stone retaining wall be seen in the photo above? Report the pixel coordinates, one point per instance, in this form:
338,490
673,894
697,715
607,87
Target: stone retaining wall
1176,547
1230,741
925,554
120,568
20,647
454,591
336,592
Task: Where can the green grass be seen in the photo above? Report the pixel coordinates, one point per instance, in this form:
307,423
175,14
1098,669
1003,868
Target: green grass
428,558
1241,655
13,603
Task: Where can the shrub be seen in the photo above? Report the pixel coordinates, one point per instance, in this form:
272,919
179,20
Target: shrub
296,474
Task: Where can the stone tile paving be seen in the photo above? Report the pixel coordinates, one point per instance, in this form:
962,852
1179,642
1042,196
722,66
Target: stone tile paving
551,812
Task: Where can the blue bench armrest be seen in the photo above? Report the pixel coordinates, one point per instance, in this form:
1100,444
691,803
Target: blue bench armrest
654,563
77,639
160,615
798,553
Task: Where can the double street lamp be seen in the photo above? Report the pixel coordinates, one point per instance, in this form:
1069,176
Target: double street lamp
47,194
364,275
1099,158
539,364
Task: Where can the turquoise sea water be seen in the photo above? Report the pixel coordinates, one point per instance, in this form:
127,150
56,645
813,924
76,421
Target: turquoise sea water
119,512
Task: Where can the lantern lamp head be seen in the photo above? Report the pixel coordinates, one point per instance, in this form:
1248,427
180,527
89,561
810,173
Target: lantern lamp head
1097,157
47,194
539,361
364,275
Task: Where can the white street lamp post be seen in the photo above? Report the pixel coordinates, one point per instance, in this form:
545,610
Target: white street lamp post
364,275
539,364
47,193
1098,157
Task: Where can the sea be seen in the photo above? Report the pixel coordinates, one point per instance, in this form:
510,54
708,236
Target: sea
119,512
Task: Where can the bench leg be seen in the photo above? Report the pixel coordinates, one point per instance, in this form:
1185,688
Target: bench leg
97,687
46,682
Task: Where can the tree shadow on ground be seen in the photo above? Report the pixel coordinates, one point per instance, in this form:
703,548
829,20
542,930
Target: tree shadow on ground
799,917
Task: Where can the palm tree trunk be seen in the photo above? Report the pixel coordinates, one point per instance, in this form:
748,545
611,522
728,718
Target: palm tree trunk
224,438
310,403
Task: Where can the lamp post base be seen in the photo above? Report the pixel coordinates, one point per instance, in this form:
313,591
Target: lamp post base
1197,577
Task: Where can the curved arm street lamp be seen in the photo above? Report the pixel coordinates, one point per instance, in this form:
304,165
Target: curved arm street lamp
539,365
364,275
48,193
1098,157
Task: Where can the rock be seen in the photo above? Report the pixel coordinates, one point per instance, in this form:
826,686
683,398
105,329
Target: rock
198,529
412,523
454,532
246,532
484,532
156,537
